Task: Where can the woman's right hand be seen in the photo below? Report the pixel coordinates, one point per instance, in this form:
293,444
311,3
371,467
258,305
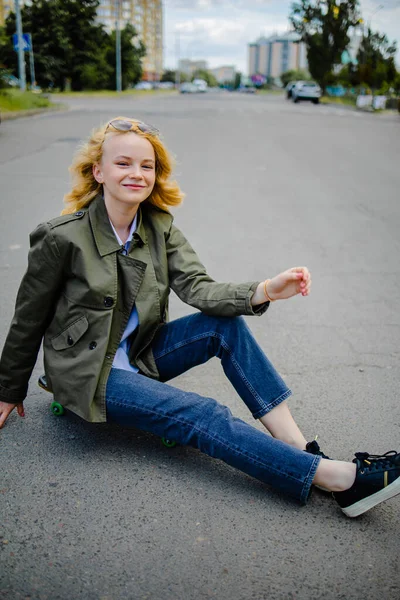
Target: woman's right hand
6,409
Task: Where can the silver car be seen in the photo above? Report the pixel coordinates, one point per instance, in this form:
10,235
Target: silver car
289,89
188,88
306,90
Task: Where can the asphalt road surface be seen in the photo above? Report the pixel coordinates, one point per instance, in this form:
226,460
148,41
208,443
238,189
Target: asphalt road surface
94,512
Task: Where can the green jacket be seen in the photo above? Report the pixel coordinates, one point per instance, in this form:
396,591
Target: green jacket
77,295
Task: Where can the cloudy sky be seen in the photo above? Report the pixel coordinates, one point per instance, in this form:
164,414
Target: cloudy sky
219,30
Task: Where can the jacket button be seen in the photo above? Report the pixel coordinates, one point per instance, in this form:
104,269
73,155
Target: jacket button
108,301
79,213
70,341
92,345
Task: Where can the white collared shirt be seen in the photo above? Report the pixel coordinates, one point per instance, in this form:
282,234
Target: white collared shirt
121,359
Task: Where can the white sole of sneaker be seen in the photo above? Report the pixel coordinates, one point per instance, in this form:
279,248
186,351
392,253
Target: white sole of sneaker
370,501
319,487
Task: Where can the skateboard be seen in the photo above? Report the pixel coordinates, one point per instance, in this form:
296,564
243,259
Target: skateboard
58,410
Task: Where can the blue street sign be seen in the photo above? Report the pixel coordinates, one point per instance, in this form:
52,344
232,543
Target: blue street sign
26,42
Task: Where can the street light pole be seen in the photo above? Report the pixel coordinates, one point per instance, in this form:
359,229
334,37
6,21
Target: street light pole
32,64
177,72
118,48
21,53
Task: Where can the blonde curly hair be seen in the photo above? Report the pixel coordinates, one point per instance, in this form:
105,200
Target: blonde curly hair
85,188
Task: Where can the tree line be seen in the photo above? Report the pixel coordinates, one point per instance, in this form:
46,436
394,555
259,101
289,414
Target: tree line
71,48
325,27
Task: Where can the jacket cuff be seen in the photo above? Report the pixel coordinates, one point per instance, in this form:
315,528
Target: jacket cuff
257,310
11,396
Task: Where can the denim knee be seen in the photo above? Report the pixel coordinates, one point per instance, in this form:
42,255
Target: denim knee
193,340
224,332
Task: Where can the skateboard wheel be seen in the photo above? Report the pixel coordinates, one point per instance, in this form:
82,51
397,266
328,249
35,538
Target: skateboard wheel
168,443
57,409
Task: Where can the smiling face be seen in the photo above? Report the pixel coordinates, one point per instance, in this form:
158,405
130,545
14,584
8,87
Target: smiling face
127,170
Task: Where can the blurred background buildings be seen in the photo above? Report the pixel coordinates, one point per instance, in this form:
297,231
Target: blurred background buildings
6,6
277,54
147,18
224,74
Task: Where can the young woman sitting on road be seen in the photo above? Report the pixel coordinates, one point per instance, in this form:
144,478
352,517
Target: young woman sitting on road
96,289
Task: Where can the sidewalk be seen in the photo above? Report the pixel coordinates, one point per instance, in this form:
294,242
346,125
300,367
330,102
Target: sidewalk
388,112
18,114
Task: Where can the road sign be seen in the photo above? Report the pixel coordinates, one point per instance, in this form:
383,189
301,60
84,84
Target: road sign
26,42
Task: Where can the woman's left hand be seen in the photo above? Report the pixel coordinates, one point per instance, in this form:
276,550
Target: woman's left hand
289,283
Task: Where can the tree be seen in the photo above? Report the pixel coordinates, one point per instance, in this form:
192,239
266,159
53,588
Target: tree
237,81
348,76
3,44
65,37
131,55
84,39
70,46
323,26
207,76
396,86
294,75
168,75
376,60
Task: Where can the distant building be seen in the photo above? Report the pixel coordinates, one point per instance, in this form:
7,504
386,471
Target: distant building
7,6
147,18
224,74
189,67
274,55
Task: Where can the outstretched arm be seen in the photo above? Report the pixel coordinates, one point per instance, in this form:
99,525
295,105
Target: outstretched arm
285,285
192,284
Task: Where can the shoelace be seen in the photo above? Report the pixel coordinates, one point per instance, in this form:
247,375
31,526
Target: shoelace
313,448
371,462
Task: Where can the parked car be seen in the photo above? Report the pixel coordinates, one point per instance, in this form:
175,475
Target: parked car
289,88
144,85
306,90
166,85
188,88
247,90
201,85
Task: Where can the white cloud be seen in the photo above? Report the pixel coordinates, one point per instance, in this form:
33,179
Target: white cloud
215,35
220,30
214,31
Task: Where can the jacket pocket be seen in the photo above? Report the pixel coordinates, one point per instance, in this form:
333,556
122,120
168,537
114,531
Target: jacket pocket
70,335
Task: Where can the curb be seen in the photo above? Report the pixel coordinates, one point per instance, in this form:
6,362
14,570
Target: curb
387,112
17,114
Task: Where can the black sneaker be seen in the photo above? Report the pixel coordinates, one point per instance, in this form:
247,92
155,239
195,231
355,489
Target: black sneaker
313,448
377,480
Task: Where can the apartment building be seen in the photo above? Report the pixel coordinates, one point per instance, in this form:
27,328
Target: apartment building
7,6
224,74
276,54
147,18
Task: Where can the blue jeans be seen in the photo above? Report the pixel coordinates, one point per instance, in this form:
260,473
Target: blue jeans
193,420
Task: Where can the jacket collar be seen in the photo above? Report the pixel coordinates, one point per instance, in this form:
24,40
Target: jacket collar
103,234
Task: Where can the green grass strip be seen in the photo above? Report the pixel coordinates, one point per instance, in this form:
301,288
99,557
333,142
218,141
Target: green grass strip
15,100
